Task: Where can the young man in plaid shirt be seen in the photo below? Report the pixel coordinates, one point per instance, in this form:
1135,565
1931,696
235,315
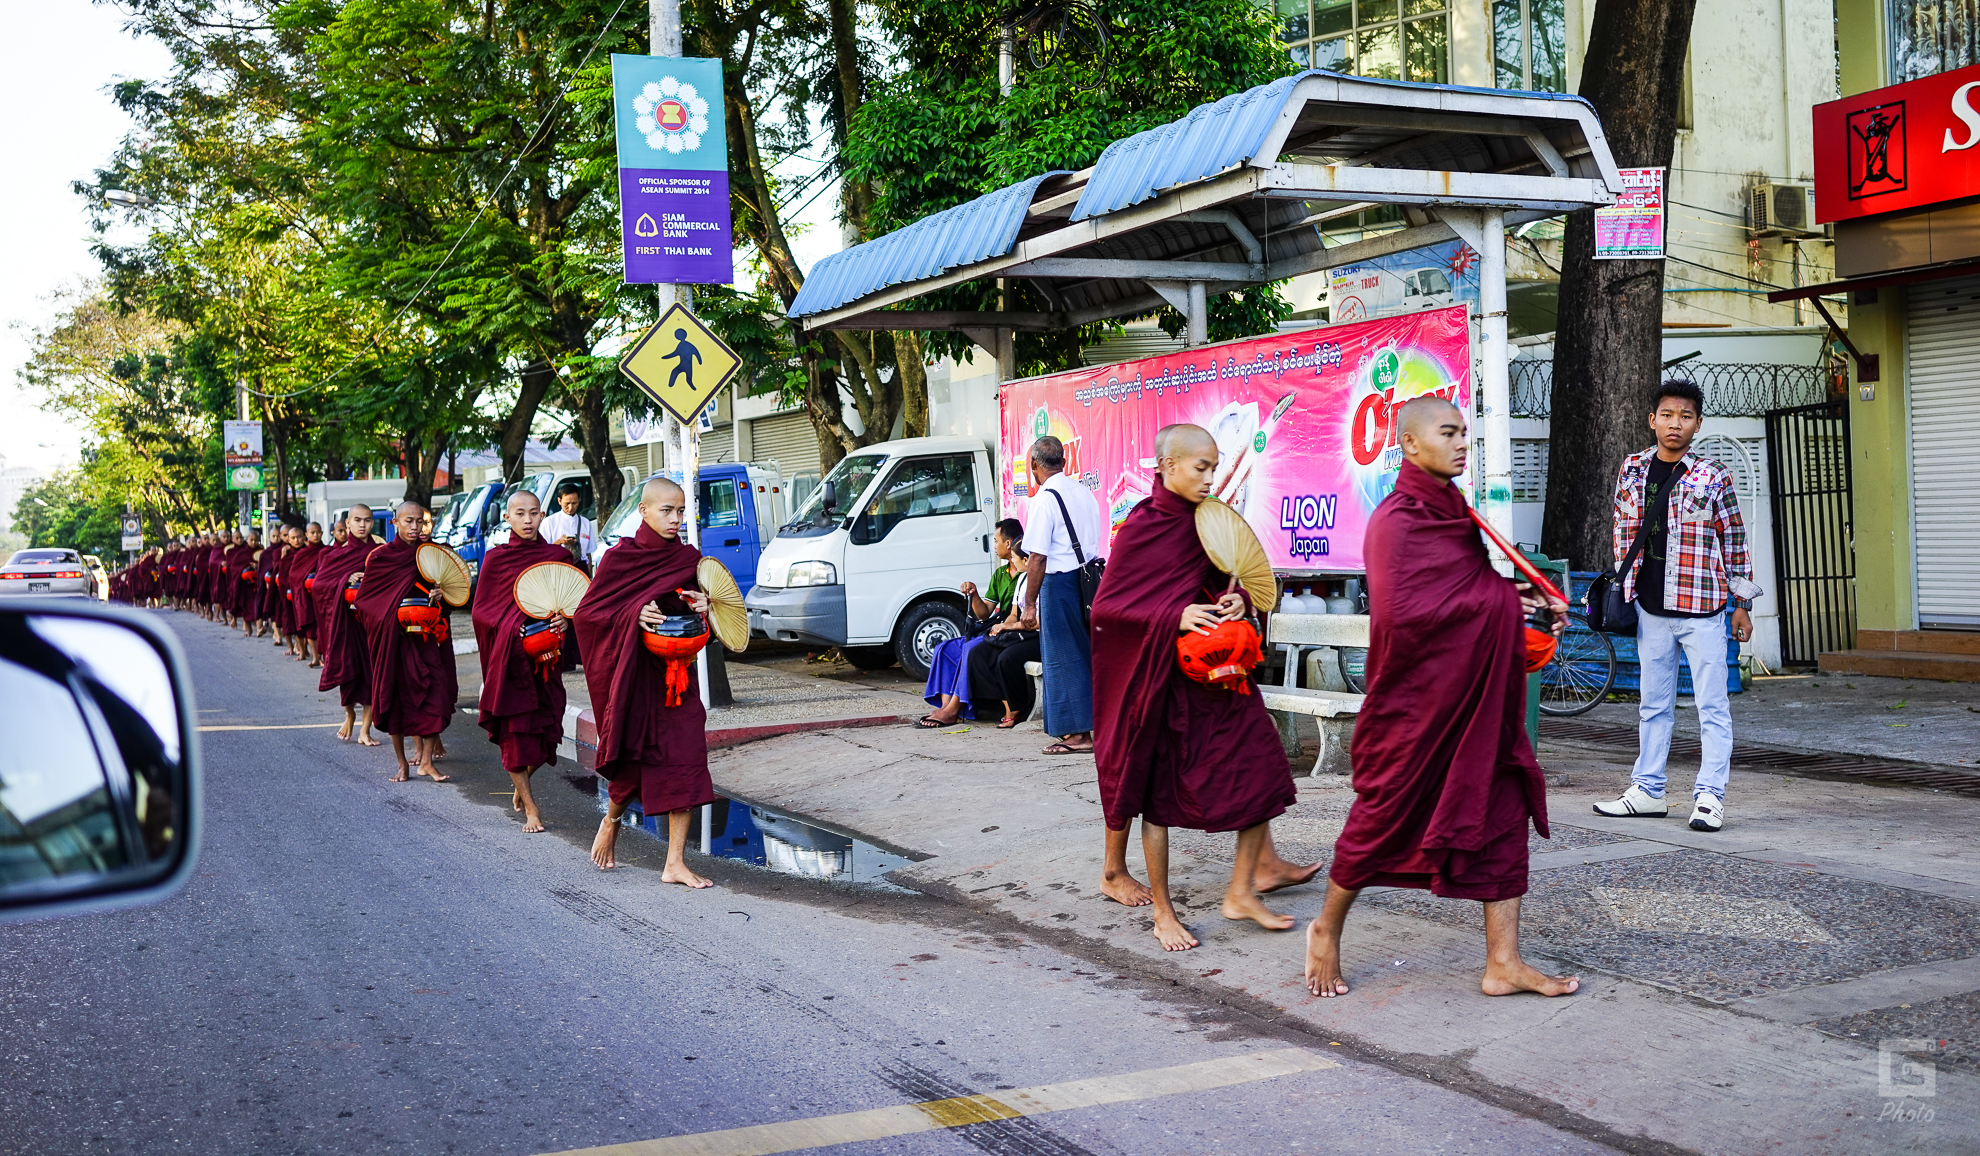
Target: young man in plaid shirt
1692,566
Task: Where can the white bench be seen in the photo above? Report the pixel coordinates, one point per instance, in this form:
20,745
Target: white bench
1037,672
1333,709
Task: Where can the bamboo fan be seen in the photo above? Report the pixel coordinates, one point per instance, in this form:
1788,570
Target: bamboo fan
1235,550
445,570
551,588
725,605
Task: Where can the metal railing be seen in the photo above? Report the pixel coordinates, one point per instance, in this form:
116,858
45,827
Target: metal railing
1732,389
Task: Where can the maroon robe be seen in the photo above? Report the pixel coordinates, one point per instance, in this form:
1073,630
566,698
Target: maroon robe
1173,750
522,711
413,685
645,747
1444,777
302,611
339,636
265,574
240,595
212,567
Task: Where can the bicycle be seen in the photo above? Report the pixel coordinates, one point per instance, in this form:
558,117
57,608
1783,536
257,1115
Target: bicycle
1580,675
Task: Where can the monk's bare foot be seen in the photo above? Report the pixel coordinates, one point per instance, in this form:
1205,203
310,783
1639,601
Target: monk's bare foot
1280,875
1126,890
439,749
365,739
344,732
515,800
680,874
314,663
532,822
427,770
1172,935
1241,907
1521,976
605,844
1323,963
404,775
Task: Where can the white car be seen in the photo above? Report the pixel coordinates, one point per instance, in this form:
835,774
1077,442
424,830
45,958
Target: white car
48,573
99,577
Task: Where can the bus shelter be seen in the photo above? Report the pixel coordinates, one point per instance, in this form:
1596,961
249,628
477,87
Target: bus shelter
1236,194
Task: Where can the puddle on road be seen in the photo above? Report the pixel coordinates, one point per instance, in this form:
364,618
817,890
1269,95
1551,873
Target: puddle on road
754,834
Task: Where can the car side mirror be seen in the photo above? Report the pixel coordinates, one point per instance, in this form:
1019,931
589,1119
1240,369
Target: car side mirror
99,760
827,502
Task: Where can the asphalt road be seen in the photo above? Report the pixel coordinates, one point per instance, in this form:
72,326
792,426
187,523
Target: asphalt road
361,966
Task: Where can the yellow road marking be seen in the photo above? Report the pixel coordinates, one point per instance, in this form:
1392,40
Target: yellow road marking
935,1115
279,727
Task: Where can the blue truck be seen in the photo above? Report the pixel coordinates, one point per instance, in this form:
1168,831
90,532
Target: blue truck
738,507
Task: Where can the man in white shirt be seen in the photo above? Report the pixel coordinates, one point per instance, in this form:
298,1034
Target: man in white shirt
1062,510
567,529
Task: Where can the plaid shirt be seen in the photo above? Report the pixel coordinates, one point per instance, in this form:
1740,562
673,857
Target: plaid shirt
1706,562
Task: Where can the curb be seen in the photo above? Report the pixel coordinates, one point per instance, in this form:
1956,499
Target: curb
580,743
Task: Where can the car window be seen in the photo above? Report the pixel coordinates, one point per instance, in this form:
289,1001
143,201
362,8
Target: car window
22,557
624,520
922,488
849,479
585,504
718,507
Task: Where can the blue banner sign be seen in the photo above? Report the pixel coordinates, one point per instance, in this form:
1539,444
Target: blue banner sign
673,170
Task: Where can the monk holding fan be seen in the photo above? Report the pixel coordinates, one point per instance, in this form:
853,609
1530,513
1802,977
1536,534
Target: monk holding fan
528,590
639,627
1445,780
1180,738
408,587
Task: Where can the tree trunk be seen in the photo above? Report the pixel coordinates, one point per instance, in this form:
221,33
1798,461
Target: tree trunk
1608,338
537,379
595,430
914,384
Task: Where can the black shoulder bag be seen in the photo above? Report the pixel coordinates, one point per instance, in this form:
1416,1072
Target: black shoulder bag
1607,610
1090,569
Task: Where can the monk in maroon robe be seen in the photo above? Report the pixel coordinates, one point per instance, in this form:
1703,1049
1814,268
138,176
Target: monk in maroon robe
1445,781
645,748
1174,751
241,594
302,607
264,580
216,574
339,636
413,685
522,705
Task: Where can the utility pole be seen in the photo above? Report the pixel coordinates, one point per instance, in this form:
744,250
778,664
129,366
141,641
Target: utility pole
241,398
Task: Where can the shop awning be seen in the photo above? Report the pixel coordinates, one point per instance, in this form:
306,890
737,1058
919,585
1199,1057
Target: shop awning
1912,276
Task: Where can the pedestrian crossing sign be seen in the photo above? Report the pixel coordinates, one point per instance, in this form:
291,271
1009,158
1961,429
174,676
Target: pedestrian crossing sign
680,363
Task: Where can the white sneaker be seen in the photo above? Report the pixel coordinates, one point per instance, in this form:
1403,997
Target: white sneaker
1708,815
1635,803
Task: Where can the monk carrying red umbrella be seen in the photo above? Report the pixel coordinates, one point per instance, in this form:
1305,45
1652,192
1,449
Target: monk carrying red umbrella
1445,780
522,694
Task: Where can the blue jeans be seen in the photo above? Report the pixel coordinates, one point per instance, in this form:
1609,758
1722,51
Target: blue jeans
1704,641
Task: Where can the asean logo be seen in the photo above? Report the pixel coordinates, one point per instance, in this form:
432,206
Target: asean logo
1876,150
670,115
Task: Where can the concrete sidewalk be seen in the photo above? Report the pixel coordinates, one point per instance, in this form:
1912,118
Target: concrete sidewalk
1735,986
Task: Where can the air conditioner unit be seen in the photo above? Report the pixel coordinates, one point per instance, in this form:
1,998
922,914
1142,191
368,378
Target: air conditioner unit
1774,209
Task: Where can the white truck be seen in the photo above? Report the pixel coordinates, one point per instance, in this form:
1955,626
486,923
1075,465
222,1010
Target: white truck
871,560
324,502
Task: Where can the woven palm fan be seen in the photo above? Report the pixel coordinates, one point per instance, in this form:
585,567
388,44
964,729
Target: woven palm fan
551,588
1235,550
725,605
445,570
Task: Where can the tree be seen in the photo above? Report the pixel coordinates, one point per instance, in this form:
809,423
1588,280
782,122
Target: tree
1608,339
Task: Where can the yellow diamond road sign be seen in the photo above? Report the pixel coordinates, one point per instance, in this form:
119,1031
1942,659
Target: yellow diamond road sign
680,363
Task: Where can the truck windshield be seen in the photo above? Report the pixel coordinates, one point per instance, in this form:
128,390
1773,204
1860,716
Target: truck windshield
848,479
717,507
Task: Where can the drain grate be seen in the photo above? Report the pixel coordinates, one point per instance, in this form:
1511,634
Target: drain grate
1780,759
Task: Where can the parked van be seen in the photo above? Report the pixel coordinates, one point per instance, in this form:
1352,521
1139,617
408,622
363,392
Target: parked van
324,501
871,561
737,509
544,486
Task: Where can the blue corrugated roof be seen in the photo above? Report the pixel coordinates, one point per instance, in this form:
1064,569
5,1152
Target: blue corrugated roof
974,231
1212,138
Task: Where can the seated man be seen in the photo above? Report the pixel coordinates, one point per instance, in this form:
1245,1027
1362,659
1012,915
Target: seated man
948,669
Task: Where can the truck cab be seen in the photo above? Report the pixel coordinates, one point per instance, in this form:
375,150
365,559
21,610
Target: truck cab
737,510
468,533
871,561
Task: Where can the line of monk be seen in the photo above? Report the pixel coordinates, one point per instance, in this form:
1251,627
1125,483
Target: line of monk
1445,779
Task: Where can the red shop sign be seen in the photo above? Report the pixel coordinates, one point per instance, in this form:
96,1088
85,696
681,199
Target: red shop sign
1902,147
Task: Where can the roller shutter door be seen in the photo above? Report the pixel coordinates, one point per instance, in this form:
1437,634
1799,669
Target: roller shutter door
1943,352
787,439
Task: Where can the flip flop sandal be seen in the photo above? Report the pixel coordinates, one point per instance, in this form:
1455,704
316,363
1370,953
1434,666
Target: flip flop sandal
1007,722
1063,749
930,722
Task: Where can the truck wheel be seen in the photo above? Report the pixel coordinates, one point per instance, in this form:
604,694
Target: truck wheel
869,657
924,627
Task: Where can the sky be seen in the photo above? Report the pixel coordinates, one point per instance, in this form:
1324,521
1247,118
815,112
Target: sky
57,63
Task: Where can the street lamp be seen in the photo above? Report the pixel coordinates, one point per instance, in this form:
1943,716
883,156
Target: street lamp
128,199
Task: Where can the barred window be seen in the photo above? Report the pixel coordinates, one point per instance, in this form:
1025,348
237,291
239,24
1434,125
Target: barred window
1529,45
1383,39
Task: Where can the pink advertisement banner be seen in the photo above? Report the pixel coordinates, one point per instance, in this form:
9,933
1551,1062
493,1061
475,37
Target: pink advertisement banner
1302,421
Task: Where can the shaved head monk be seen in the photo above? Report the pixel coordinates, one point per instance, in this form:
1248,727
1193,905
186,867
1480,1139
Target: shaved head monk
300,570
339,635
1445,781
413,685
522,705
645,748
1177,752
